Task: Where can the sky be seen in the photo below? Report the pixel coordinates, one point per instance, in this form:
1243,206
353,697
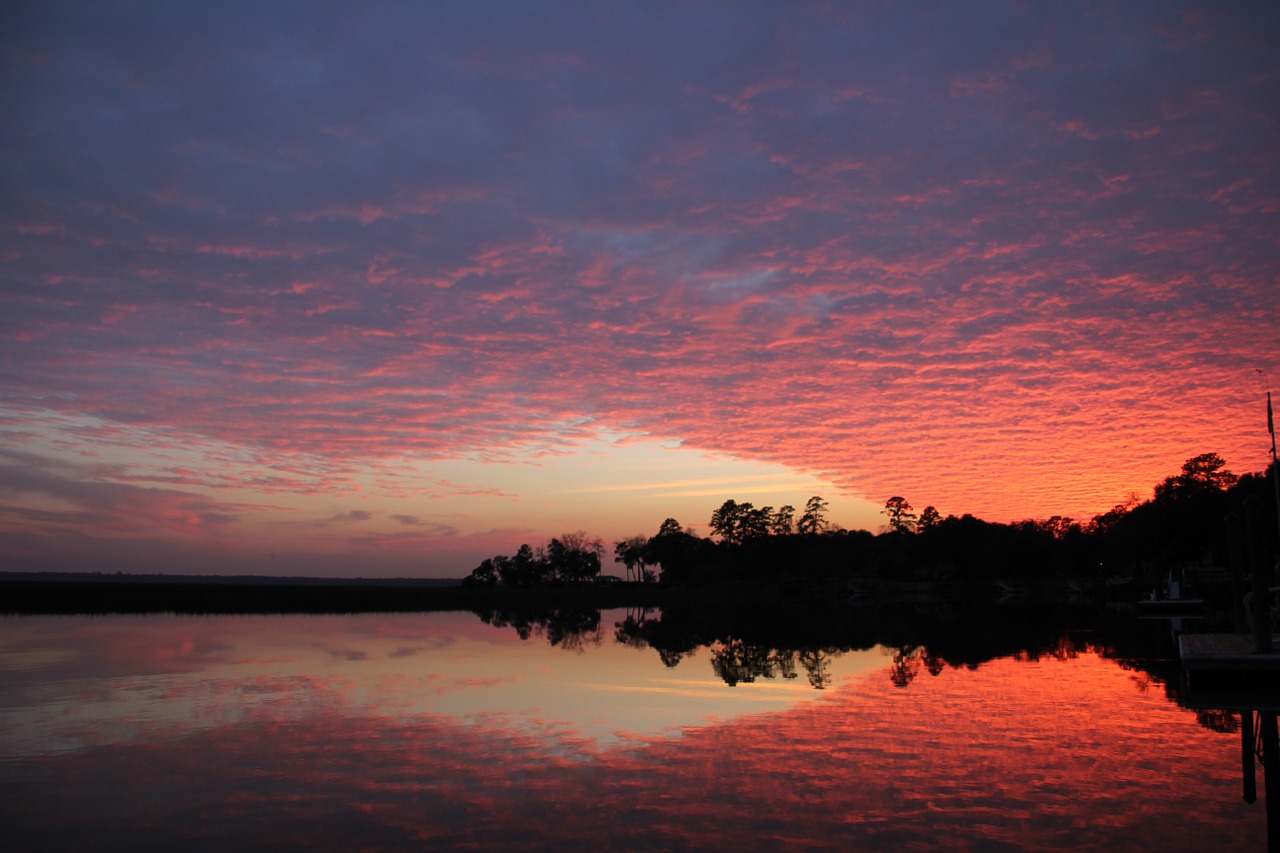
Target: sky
386,288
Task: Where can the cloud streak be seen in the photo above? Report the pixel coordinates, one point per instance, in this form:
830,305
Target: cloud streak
1020,269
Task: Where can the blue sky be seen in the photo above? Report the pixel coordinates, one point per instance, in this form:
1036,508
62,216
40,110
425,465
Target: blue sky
389,287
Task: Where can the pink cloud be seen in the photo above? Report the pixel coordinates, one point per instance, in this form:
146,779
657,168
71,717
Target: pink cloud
840,771
945,268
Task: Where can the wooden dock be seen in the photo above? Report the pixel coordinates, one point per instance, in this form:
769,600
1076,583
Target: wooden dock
1226,651
1170,608
1223,671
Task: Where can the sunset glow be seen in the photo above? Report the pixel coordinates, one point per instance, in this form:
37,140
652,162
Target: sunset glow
402,731
384,289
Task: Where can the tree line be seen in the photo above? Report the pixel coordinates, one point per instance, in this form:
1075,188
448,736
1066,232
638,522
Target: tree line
569,558
1187,521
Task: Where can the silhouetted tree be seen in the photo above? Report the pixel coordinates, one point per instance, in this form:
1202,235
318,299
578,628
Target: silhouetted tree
523,569
676,551
757,522
573,557
783,521
1104,522
670,526
724,521
631,552
736,523
929,518
901,518
814,519
1206,472
1060,526
1181,525
485,574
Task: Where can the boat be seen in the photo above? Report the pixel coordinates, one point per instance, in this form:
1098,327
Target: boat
1170,604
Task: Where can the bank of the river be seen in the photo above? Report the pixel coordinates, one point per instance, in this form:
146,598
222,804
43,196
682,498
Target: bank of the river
89,593
109,594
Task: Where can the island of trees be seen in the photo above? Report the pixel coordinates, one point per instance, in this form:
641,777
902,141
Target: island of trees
1201,519
1204,526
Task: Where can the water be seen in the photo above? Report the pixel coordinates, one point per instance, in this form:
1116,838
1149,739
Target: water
439,731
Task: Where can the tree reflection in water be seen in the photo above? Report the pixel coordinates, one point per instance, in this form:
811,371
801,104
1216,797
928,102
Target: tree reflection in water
746,645
749,644
1260,745
985,731
569,628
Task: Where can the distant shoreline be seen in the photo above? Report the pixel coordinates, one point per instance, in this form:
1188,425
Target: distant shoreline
36,593
31,593
234,580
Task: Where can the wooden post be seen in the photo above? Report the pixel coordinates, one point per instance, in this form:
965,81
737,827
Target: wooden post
1235,570
1271,775
1248,768
1260,569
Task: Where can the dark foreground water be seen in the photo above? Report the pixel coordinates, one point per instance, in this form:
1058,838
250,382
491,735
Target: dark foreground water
438,731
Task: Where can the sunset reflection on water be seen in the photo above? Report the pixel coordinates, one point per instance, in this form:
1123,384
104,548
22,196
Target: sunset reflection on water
439,731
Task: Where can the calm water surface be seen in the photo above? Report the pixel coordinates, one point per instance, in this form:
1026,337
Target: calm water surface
438,731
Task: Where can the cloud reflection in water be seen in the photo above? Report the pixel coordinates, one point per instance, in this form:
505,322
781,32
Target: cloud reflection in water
251,732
